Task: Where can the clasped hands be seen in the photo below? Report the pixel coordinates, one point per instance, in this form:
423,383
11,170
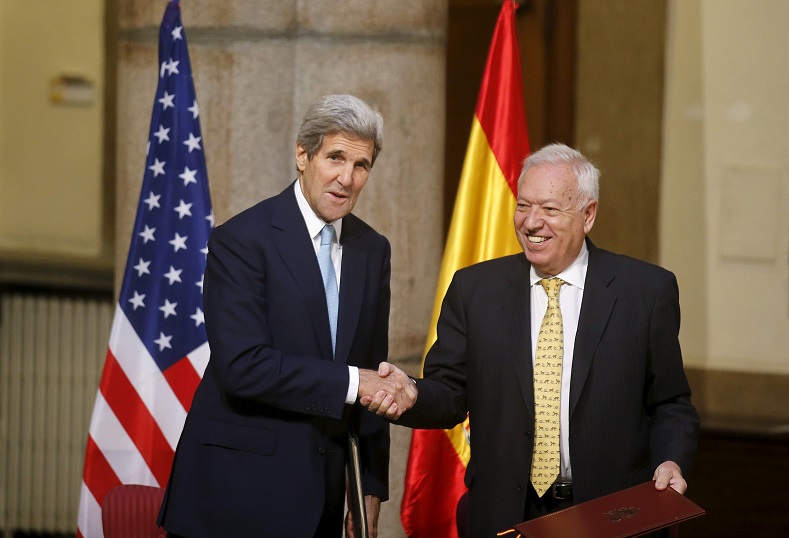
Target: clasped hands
388,392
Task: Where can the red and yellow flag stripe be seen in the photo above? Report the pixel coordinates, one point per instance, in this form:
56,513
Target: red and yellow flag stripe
481,229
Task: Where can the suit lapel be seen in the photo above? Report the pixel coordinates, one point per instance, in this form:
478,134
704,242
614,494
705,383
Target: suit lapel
518,315
298,254
596,307
352,279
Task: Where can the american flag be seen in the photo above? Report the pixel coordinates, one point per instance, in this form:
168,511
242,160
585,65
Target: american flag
157,348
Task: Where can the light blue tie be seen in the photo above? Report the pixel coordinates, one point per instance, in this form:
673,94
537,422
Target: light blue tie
329,279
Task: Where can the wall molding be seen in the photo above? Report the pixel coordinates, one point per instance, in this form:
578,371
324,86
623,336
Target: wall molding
741,402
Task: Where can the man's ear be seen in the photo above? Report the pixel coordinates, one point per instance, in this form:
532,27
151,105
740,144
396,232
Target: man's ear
301,158
590,212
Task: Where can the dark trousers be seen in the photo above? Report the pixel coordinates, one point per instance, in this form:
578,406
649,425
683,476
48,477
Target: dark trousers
540,506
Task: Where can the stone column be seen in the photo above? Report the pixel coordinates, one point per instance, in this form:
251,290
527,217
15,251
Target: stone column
257,65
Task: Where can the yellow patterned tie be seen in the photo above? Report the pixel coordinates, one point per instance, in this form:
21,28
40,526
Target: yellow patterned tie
547,392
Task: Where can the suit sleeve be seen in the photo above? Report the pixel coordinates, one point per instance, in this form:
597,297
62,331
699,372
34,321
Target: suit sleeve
442,391
237,290
674,423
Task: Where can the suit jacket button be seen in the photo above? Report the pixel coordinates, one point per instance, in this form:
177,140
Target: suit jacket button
321,451
521,487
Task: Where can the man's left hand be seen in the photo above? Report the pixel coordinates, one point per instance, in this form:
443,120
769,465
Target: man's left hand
668,474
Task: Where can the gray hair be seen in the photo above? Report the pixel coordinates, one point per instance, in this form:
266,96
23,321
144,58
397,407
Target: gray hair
586,173
344,114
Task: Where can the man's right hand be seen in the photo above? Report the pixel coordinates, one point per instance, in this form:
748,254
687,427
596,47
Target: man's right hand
389,391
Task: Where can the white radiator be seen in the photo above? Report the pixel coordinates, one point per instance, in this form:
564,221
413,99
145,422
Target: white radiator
52,350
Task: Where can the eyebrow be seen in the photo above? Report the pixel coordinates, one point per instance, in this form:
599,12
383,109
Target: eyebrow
543,201
341,153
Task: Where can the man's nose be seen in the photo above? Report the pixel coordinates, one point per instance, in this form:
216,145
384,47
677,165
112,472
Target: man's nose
345,177
533,219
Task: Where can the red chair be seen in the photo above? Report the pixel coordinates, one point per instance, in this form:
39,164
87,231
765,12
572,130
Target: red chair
130,511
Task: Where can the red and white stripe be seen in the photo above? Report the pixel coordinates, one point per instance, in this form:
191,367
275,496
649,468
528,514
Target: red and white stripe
137,419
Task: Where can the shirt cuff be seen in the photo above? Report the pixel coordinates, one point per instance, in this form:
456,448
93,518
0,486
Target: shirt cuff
353,385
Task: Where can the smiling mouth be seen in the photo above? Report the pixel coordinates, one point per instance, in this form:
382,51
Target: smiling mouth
536,239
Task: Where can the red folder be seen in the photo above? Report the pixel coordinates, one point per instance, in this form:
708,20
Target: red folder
630,512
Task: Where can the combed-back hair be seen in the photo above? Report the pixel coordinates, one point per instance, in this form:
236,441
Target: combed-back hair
345,114
586,173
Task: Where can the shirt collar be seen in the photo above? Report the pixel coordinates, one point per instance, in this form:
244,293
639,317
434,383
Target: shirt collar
574,275
314,223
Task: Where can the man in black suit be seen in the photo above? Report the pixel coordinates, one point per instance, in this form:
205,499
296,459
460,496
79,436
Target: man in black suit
264,447
623,412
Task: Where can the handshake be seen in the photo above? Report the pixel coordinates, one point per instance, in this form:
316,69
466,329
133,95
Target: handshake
388,392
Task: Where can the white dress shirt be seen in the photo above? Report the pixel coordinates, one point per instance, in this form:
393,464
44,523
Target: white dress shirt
314,227
570,296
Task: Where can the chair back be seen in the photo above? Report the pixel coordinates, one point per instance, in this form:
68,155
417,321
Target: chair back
130,511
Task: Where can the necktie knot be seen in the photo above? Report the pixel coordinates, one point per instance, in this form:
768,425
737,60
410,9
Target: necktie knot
327,234
551,286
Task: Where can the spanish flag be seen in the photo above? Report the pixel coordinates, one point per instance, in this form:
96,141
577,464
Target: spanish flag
481,229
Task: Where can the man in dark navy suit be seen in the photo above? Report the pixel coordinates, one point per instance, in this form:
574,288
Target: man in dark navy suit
623,413
264,448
